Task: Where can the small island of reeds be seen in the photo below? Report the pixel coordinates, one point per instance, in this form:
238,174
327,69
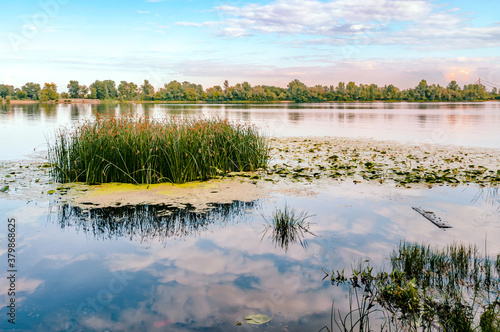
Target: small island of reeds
142,150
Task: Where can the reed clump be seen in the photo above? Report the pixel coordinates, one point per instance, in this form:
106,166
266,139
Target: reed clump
141,150
288,227
428,289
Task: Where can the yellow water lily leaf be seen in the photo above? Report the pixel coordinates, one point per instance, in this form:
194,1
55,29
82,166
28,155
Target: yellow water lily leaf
257,319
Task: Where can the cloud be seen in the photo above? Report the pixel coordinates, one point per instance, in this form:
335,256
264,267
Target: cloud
197,24
413,23
143,11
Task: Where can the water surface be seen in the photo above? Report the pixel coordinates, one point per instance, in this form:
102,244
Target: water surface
26,128
157,268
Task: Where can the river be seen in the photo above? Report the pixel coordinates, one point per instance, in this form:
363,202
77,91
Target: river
158,268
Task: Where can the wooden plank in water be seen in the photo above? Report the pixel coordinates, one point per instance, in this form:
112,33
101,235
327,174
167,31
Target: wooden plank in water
431,216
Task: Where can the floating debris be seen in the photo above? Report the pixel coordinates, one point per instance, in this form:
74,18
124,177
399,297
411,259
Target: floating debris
431,216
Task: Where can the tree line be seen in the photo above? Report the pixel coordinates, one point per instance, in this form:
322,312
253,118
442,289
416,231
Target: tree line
295,91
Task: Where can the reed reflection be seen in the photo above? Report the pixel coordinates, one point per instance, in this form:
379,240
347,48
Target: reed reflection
148,222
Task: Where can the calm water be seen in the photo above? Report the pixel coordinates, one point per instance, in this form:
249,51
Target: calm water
154,268
25,128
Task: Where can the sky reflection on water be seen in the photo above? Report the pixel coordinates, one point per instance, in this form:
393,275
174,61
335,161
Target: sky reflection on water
221,269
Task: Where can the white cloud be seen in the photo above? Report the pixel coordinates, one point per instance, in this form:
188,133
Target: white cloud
417,23
197,24
143,12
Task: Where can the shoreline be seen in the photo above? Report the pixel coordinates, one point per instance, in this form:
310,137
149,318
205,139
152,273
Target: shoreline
112,101
298,165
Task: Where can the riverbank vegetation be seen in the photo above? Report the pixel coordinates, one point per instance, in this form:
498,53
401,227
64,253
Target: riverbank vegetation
295,91
427,289
141,150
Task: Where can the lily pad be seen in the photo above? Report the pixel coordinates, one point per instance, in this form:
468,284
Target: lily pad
4,189
257,319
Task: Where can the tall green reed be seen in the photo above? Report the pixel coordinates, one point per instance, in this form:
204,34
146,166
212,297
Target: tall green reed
141,150
455,288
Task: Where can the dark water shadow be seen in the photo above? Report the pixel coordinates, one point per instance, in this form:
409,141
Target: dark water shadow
148,222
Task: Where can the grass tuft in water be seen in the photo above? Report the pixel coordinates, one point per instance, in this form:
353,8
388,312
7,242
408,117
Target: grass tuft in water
430,289
141,150
287,227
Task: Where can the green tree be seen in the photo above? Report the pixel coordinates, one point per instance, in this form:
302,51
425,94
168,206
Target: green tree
49,92
21,94
297,91
352,91
453,86
127,91
147,91
422,91
174,91
84,91
32,90
111,89
93,92
73,89
101,91
6,90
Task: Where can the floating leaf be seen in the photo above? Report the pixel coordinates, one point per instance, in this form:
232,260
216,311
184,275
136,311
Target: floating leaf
257,319
4,189
50,192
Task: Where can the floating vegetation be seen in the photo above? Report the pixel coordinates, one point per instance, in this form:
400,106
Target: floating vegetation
379,161
257,319
141,150
288,227
427,289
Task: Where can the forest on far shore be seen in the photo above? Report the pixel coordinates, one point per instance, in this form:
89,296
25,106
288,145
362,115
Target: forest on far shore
296,91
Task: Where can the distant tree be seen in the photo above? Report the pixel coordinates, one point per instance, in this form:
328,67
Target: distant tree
93,92
147,91
32,90
174,91
6,90
21,95
84,91
111,89
127,91
297,91
101,90
340,92
49,92
73,89
422,91
64,95
453,86
352,91
104,89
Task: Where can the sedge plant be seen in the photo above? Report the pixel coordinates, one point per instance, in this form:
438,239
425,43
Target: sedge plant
142,150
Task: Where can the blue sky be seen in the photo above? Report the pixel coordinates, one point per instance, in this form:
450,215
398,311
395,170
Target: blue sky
262,42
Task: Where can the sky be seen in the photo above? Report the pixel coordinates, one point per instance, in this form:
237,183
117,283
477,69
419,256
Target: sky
323,42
